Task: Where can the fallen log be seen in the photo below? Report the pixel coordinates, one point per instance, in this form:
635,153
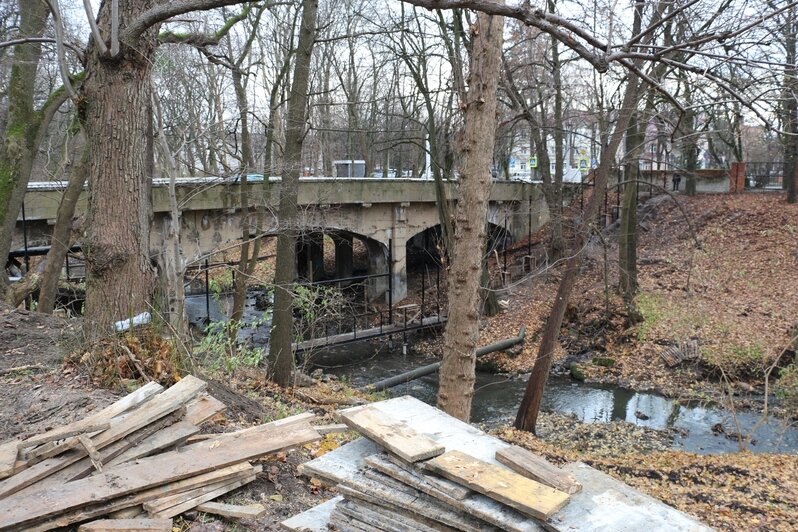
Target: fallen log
417,373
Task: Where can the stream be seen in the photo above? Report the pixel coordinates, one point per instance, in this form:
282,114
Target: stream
497,396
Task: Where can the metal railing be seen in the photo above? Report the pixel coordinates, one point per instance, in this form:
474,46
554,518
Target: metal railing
765,175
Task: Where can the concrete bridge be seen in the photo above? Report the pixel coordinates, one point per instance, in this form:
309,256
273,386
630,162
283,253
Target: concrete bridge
387,215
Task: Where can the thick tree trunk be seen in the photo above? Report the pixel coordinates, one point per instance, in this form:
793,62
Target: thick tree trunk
116,114
281,355
526,418
22,127
62,235
457,376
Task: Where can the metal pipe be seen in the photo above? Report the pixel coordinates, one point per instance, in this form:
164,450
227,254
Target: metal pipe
408,376
25,238
207,294
347,279
423,289
390,281
504,248
438,289
529,233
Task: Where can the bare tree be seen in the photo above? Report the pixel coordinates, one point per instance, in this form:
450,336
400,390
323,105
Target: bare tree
462,330
281,354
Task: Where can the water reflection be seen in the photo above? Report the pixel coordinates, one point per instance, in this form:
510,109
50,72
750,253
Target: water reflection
497,397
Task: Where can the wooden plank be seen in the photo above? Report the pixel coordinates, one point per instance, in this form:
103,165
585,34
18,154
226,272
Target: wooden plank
94,455
452,489
409,478
392,434
342,463
233,511
312,520
401,498
127,525
168,401
173,499
537,468
381,516
153,471
335,428
8,458
137,499
344,523
209,496
501,484
167,437
203,408
198,411
62,434
585,511
160,406
124,404
121,406
410,506
53,448
128,513
84,467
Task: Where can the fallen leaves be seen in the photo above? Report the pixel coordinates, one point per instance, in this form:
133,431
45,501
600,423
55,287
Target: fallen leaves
739,491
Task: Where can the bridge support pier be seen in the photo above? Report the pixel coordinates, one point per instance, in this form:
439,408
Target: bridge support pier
310,257
378,263
399,268
344,257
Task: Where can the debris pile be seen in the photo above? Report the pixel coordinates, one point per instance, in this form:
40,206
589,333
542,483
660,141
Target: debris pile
419,469
136,463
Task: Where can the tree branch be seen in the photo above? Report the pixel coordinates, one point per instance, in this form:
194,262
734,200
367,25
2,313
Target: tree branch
167,10
59,44
50,40
95,31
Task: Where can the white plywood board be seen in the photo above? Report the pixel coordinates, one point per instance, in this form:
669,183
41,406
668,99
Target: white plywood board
314,519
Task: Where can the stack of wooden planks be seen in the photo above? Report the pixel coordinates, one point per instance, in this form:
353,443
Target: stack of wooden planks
420,469
137,463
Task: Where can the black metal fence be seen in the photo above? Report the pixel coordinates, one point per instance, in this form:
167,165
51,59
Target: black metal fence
765,175
361,321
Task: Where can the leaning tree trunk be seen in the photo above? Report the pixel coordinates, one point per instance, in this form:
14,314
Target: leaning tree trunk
281,355
62,235
115,109
457,375
24,122
526,418
557,244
